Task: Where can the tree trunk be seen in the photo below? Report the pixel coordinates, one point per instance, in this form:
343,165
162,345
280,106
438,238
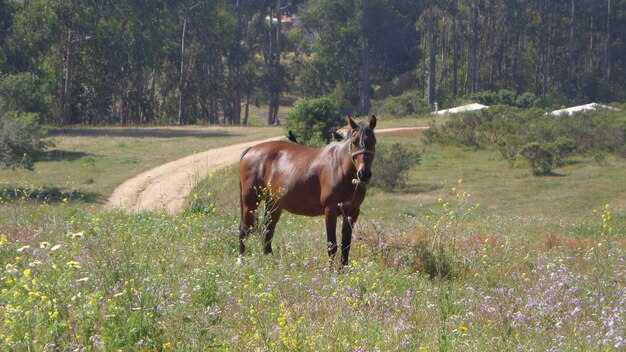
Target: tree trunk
66,91
570,68
274,68
455,58
607,49
365,84
247,109
182,118
432,66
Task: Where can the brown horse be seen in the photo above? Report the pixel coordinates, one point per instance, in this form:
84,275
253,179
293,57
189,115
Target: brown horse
330,181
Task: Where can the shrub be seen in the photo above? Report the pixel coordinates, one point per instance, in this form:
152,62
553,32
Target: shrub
392,164
23,92
509,147
313,120
562,147
539,159
21,140
409,103
506,97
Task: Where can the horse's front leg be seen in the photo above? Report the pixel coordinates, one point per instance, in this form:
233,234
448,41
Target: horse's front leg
331,233
273,215
346,235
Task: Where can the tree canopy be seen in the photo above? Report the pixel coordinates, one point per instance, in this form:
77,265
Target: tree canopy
183,62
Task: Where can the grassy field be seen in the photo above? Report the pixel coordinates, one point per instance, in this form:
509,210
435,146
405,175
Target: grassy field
472,254
91,162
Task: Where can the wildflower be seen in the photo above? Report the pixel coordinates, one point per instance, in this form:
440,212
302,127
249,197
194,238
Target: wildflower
27,273
44,245
3,240
55,247
23,248
73,264
463,329
460,181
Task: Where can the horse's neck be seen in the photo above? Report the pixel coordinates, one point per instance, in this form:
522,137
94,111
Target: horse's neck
341,157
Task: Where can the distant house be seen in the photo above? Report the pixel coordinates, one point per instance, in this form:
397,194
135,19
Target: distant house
287,23
459,109
581,108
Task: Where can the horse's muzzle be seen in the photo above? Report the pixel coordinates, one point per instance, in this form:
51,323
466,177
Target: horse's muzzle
364,175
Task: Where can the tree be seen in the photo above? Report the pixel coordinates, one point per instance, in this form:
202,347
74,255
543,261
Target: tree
314,120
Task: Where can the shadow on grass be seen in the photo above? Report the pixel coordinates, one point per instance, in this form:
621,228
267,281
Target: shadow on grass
550,174
420,187
62,155
136,132
47,195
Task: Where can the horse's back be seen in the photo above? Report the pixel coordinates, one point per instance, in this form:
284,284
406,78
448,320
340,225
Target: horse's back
290,171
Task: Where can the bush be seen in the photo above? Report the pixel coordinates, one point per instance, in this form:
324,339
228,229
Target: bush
392,164
509,147
506,97
313,120
23,92
562,147
409,103
21,140
539,159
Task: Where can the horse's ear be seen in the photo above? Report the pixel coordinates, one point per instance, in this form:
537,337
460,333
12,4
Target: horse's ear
373,122
353,125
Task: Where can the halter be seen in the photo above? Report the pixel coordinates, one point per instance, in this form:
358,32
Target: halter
363,150
357,181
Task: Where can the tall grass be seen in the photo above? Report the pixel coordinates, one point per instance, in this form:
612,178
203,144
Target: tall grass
75,278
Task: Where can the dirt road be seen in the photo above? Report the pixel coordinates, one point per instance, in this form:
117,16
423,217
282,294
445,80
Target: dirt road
167,186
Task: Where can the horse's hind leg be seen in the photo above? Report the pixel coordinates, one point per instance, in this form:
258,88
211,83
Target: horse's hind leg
249,204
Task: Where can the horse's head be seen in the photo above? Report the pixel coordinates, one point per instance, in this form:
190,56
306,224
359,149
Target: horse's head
362,148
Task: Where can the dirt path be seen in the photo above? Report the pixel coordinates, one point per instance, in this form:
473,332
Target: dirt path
166,187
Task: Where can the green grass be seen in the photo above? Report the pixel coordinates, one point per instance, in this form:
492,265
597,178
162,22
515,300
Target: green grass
532,268
573,192
93,161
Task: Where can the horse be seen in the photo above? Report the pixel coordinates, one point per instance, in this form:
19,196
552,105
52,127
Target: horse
330,181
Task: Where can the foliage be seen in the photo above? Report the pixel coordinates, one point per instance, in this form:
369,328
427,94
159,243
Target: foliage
392,164
186,62
22,139
539,159
408,103
424,273
561,148
490,281
313,120
25,93
509,147
506,97
546,137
